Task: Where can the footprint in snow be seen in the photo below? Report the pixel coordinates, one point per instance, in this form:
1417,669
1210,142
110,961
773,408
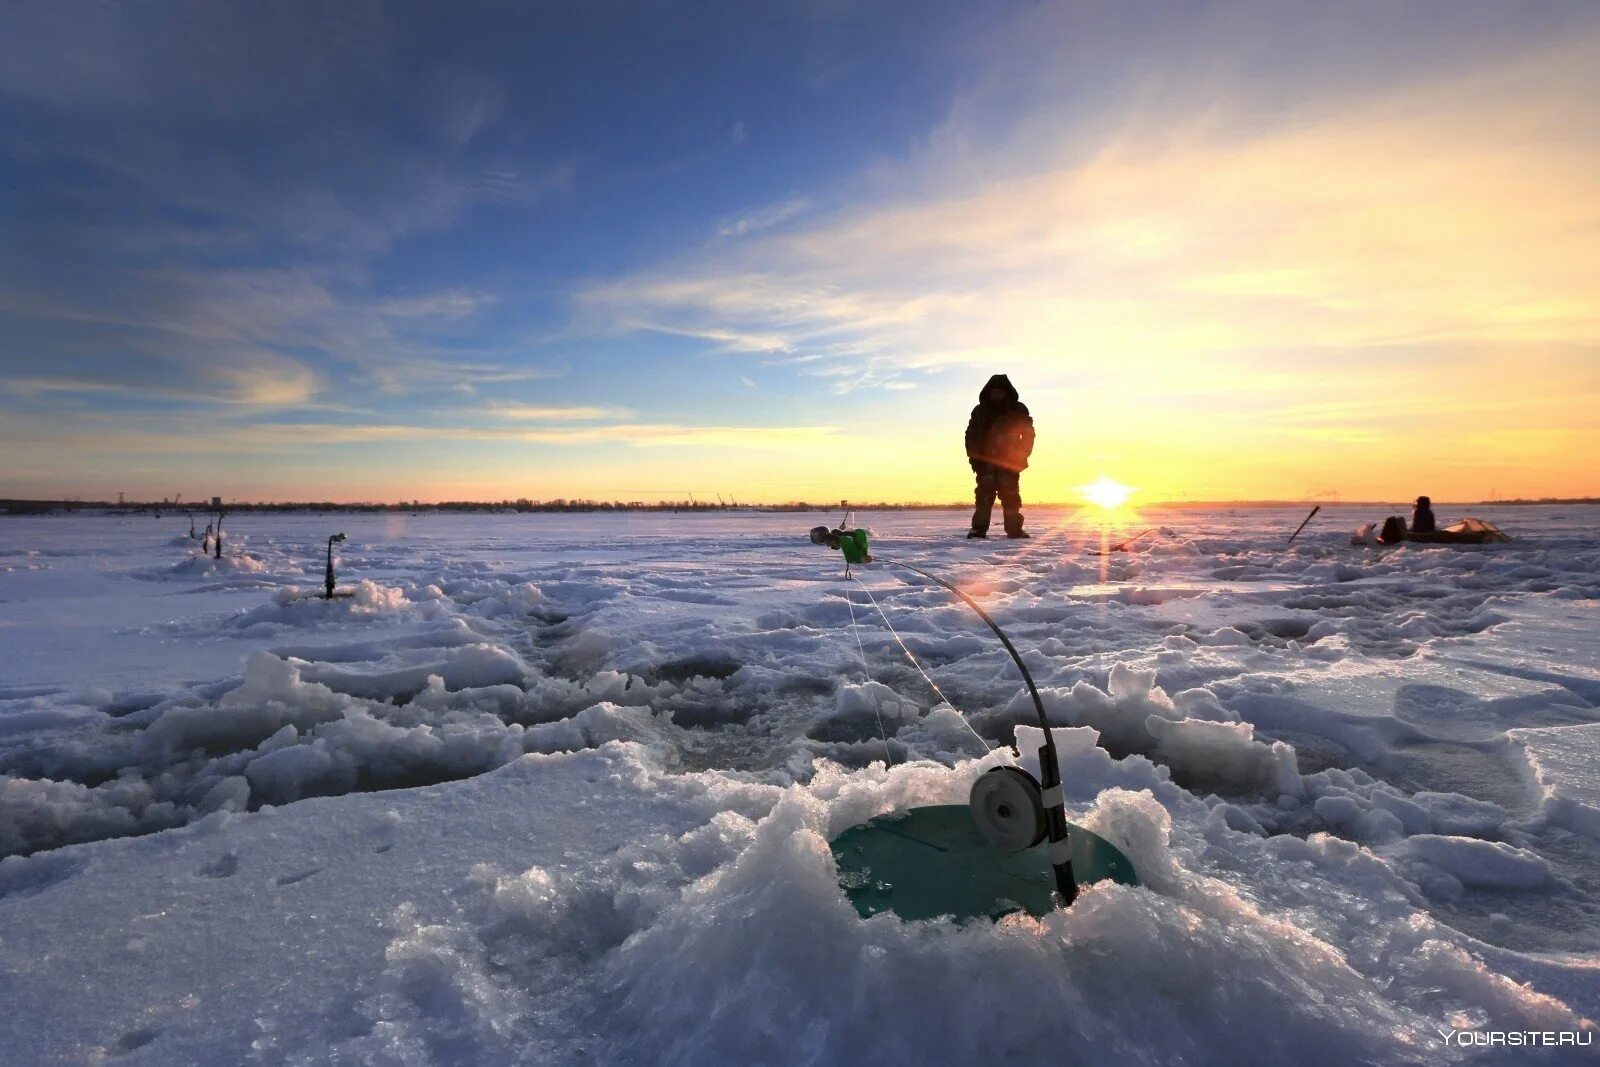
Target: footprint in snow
135,1039
224,866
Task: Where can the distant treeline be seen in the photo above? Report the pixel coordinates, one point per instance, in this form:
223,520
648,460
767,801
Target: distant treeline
524,504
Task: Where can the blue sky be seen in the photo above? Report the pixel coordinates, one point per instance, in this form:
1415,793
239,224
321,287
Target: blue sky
631,250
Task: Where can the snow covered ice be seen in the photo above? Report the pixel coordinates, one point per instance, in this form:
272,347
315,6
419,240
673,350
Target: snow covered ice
558,789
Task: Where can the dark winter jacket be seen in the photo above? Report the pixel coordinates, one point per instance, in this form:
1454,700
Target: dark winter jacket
1000,434
1422,520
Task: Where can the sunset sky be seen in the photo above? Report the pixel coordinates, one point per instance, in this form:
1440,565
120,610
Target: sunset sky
632,250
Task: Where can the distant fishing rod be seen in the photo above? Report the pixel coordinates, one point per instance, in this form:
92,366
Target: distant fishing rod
1007,797
1302,526
1122,546
328,580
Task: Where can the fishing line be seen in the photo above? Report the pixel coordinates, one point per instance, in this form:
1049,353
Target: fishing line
866,671
1027,676
915,663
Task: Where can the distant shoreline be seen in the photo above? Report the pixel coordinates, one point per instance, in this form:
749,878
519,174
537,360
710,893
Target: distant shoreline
17,507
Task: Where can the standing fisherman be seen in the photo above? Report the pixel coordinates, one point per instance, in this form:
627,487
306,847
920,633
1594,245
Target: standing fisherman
999,442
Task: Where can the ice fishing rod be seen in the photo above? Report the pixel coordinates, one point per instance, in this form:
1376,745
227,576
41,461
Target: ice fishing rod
1011,809
1302,526
327,577
1123,545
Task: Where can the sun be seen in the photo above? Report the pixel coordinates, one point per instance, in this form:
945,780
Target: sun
1106,493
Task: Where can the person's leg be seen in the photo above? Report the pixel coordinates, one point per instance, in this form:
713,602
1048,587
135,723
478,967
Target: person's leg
983,501
1008,486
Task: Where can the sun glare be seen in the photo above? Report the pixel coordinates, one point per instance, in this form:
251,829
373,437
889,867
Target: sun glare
1106,493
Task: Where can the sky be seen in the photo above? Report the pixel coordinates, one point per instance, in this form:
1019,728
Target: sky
632,251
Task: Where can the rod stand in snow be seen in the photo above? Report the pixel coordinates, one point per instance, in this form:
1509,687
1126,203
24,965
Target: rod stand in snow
327,579
220,516
205,543
191,526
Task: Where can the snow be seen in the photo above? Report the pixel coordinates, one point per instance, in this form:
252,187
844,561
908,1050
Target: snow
1566,764
559,789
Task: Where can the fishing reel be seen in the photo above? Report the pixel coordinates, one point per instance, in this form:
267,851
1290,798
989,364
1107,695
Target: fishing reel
1008,806
1014,812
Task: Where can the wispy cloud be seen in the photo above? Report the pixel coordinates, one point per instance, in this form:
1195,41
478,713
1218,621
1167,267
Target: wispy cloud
1175,244
459,103
726,340
264,379
762,218
99,434
445,304
174,261
553,413
680,435
227,334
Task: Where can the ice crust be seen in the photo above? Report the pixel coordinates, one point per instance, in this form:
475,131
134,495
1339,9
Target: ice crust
540,793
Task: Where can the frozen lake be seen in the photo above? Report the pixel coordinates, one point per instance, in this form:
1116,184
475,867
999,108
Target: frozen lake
557,787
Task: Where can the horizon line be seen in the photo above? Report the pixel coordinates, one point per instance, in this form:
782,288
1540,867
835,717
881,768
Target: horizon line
526,504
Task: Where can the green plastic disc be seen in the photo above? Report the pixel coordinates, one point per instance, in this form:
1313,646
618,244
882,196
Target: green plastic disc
929,862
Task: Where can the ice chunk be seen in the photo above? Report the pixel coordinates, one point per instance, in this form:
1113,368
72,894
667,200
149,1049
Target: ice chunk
1452,813
1480,863
1566,764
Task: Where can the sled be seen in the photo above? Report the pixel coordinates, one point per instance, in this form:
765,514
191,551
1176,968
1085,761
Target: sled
1468,531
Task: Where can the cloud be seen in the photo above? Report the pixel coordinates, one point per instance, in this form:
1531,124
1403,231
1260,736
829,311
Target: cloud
847,377
256,379
679,435
459,103
548,413
1179,249
762,218
100,434
197,227
726,340
156,103
402,374
186,333
444,304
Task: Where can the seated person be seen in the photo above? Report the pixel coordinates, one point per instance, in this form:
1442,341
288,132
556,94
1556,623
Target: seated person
1422,516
